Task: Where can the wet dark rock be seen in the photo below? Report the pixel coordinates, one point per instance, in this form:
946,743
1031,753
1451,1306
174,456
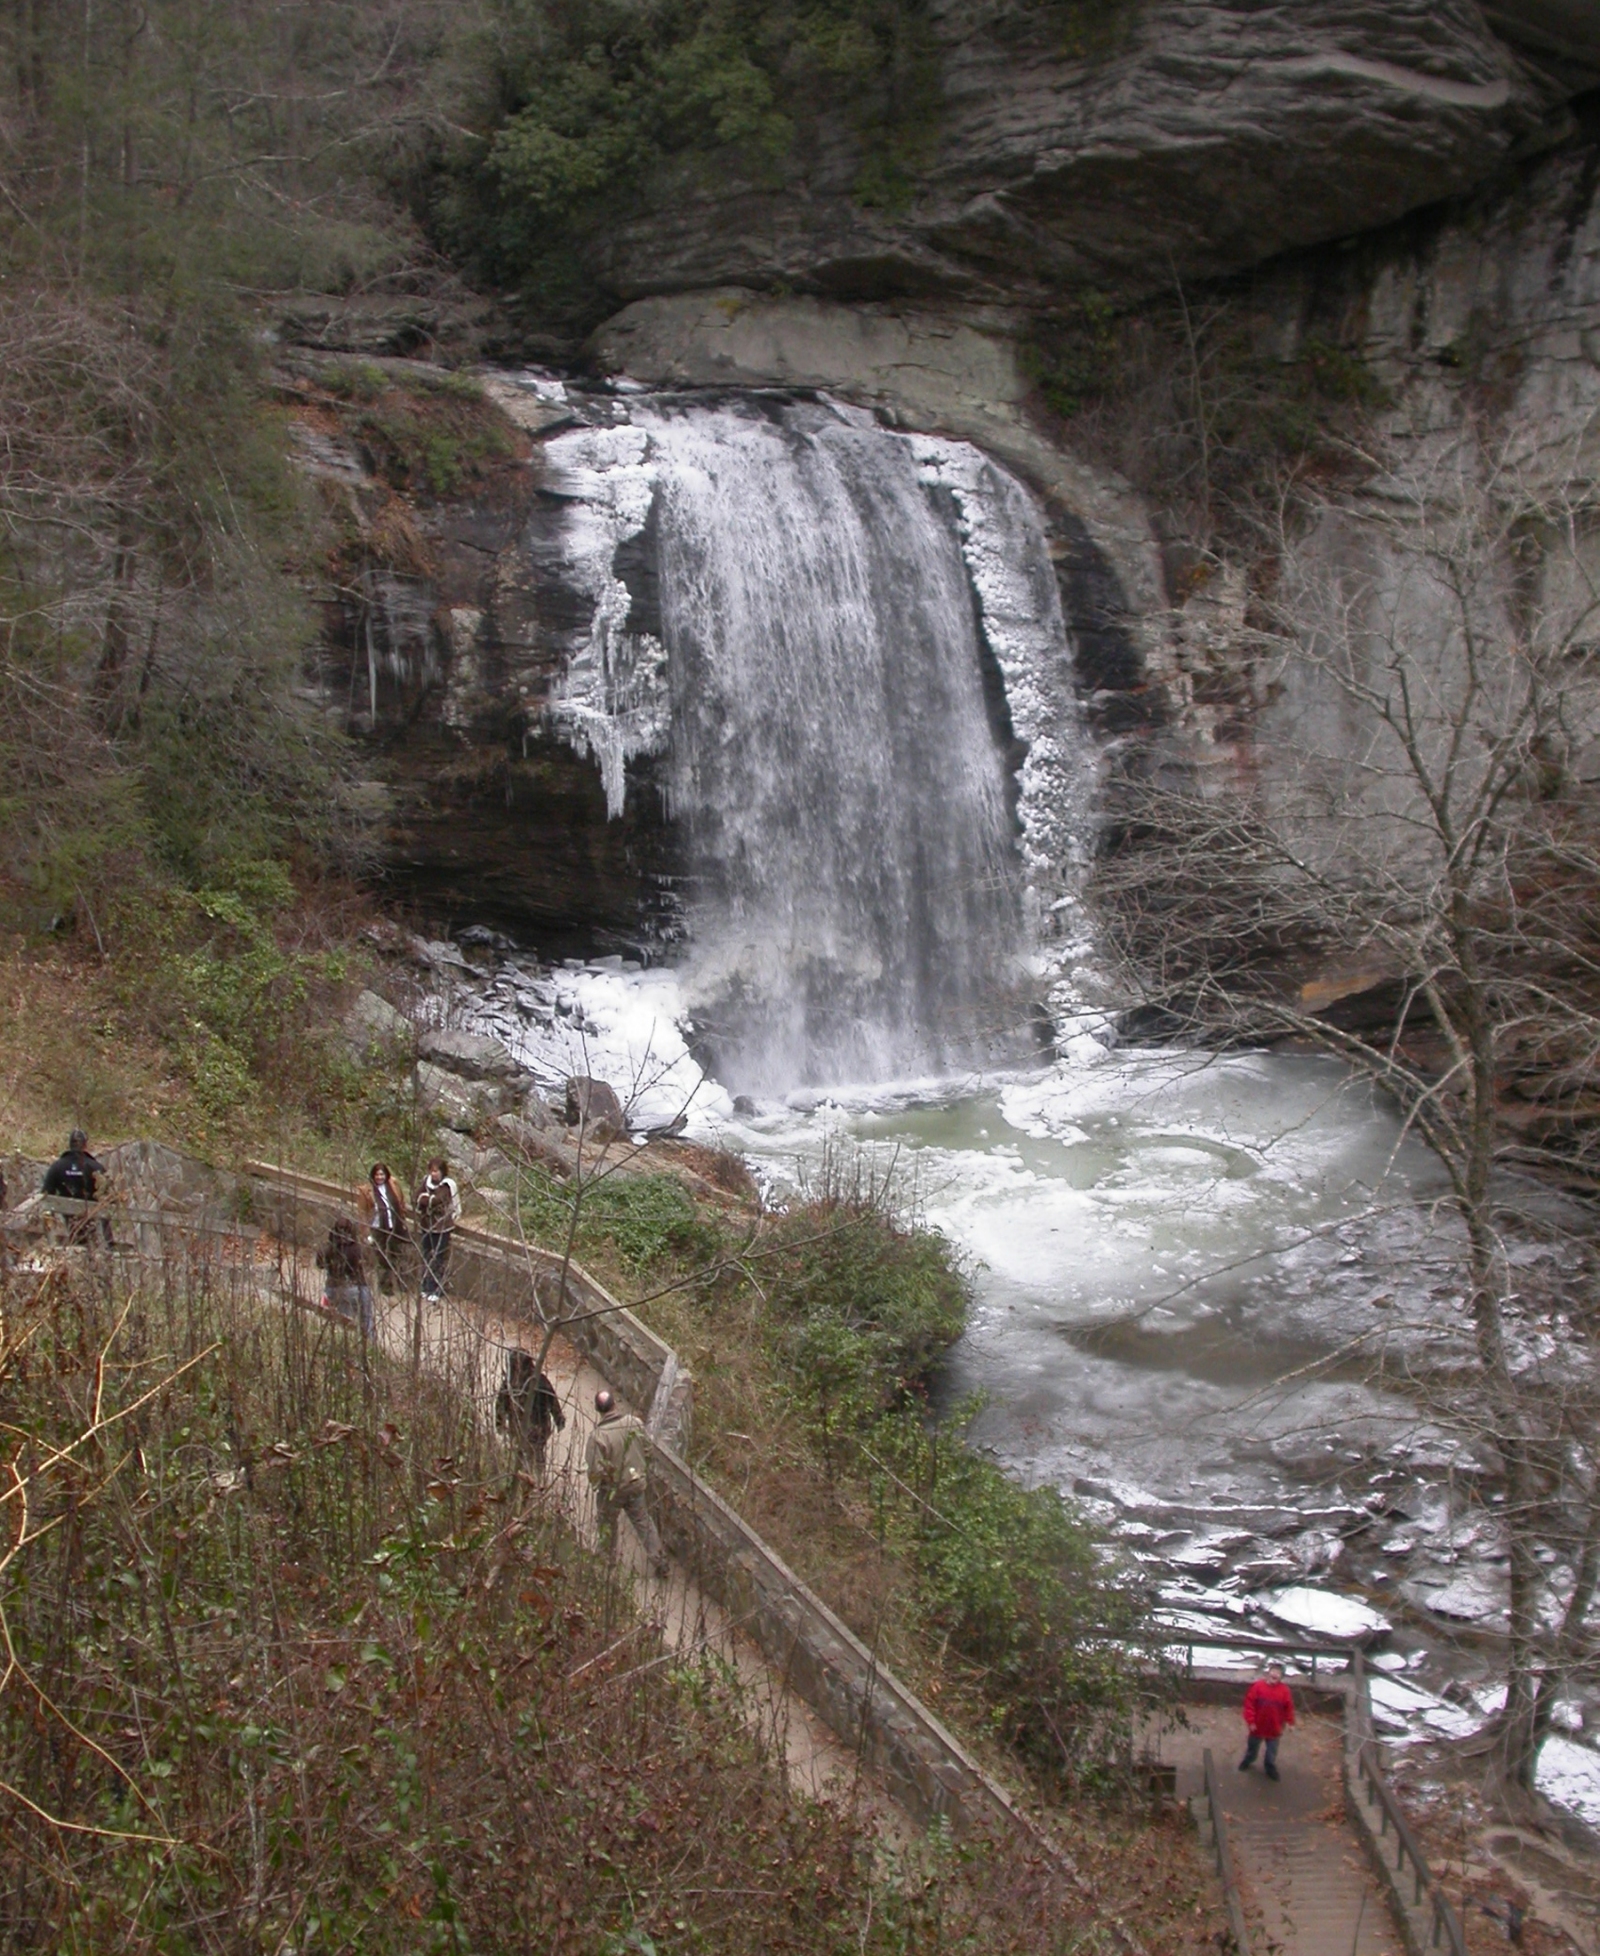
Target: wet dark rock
594,1107
1180,138
443,636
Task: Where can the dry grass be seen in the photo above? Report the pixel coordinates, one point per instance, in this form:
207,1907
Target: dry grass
303,1664
77,1050
69,1056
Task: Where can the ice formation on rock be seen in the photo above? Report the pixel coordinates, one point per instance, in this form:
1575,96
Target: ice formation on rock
850,622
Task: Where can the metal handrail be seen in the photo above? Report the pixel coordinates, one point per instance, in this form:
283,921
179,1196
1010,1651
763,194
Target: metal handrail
1446,1924
1257,1646
1224,1853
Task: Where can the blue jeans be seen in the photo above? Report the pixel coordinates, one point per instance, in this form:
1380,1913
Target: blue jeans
353,1301
1253,1746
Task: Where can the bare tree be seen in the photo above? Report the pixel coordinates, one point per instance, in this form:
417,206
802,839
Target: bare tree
1405,870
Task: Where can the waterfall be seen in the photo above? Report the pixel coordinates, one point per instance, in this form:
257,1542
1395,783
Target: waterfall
849,619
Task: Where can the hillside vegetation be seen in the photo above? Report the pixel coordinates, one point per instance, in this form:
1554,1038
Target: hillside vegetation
815,1336
298,1662
172,815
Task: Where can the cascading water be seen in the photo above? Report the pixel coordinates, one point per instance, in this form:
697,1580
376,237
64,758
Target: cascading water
830,594
855,887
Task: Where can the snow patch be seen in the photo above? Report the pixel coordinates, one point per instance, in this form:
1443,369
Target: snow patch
1569,1776
624,1027
1320,1614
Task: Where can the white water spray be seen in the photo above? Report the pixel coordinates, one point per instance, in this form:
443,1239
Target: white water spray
853,623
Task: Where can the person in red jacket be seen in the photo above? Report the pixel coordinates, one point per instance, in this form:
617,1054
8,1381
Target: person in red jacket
1268,1714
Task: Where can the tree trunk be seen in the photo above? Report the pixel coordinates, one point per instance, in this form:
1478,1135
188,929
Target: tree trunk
117,643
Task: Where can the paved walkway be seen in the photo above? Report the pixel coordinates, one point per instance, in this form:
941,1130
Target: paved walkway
1307,1888
466,1346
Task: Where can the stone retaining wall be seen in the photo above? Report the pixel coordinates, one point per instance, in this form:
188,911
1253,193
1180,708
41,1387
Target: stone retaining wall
924,1768
900,1742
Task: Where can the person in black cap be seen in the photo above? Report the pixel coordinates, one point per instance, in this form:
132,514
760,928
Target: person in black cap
76,1176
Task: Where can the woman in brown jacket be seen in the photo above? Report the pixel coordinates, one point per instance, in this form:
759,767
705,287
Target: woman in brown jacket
383,1211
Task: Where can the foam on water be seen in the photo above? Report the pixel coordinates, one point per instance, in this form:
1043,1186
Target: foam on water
627,1028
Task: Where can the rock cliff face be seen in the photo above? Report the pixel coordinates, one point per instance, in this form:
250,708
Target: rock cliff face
446,635
1195,139
1115,144
1476,320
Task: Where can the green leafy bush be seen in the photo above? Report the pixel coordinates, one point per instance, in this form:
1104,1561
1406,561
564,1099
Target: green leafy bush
1012,1576
230,997
865,1308
862,1309
595,106
647,1220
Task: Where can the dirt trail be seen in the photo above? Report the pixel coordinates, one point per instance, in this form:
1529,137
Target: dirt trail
1308,1889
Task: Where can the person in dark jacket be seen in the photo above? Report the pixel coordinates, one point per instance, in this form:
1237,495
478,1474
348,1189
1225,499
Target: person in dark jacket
528,1406
346,1290
438,1210
75,1176
383,1210
1268,1714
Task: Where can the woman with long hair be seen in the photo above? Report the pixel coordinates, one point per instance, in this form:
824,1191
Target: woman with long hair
383,1210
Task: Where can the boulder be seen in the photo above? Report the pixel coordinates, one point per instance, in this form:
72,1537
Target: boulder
474,1055
595,1108
537,1112
487,1165
372,1022
460,1104
524,1140
23,1178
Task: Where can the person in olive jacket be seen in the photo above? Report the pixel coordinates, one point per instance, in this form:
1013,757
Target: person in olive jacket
619,1473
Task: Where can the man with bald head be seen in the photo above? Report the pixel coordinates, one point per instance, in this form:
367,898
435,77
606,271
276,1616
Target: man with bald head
619,1473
